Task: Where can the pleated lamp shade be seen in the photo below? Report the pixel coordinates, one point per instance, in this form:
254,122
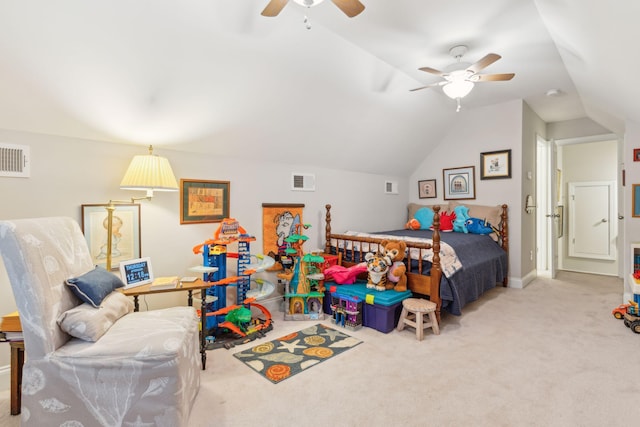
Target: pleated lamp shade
150,173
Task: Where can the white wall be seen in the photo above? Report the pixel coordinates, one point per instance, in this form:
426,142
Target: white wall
492,128
66,173
632,225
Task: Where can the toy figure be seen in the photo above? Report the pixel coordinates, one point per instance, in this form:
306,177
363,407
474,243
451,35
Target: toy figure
377,266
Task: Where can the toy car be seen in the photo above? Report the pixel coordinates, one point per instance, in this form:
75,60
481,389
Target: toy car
620,311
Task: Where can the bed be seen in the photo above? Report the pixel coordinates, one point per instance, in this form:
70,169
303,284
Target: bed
431,272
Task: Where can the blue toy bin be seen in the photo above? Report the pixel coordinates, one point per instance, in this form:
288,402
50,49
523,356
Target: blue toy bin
381,309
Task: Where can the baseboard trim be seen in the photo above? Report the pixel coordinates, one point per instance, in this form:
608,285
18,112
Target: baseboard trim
522,282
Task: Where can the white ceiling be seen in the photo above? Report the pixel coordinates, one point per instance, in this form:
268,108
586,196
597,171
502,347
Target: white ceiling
214,76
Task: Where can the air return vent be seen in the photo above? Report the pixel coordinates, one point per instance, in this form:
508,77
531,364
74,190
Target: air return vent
14,160
390,187
303,182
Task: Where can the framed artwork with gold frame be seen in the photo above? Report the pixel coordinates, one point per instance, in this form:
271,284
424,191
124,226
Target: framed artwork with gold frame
204,201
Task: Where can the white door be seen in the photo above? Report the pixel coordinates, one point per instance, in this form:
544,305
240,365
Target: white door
546,215
592,220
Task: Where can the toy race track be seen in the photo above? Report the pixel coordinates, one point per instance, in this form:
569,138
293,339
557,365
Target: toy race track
226,338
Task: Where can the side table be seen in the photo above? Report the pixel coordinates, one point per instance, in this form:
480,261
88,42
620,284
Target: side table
199,284
17,361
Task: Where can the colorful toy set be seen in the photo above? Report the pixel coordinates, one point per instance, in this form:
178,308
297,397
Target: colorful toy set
226,325
346,310
630,313
303,280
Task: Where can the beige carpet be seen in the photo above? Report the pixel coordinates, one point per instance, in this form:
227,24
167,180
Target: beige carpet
548,355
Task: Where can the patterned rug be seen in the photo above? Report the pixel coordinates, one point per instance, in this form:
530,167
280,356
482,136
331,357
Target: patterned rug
286,356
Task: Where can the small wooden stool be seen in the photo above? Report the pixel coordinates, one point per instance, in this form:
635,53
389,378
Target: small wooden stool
413,311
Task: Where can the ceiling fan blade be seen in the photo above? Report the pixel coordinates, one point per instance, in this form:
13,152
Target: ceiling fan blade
494,77
432,71
350,8
274,7
427,86
484,62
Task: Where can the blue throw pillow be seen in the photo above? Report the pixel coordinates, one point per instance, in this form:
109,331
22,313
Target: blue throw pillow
94,286
424,217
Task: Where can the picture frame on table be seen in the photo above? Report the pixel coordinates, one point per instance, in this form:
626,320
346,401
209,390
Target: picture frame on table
126,241
459,183
204,201
427,189
495,164
636,154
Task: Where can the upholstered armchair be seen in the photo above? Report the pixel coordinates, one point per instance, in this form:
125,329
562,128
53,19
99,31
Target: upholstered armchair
128,368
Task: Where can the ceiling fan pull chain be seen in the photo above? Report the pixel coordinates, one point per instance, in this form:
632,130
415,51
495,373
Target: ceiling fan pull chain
307,22
458,109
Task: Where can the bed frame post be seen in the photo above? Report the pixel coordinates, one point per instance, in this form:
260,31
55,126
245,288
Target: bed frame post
327,232
504,237
436,269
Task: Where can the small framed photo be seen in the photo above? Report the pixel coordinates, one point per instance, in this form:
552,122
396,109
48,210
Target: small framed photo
495,164
459,183
636,154
635,203
203,201
125,233
427,189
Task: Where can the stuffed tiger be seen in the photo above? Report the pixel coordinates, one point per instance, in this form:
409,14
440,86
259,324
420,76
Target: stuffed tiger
377,267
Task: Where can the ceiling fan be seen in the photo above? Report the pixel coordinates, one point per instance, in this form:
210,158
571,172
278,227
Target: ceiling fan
350,8
460,77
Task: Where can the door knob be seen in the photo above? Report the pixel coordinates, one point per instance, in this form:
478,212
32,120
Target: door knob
603,220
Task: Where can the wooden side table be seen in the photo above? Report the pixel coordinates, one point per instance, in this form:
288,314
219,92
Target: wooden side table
200,285
17,361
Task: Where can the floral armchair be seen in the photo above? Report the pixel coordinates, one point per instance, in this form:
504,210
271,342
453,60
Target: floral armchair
142,368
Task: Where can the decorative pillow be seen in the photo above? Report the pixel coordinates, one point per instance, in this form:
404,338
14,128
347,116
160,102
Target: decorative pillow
425,217
93,286
89,323
489,213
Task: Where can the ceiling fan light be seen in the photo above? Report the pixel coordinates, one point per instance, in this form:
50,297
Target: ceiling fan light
457,89
308,3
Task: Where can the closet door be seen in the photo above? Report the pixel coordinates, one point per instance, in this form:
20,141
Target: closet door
591,220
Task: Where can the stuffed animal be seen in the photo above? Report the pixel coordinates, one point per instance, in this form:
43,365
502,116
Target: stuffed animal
479,226
446,221
344,275
377,268
397,275
412,224
462,215
425,217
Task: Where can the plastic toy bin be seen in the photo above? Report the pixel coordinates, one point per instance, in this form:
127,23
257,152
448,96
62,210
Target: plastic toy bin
381,309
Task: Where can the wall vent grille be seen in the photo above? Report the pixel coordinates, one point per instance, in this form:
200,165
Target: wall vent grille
14,160
390,187
303,182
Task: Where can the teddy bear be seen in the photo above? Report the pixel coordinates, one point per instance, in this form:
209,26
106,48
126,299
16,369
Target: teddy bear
397,274
377,267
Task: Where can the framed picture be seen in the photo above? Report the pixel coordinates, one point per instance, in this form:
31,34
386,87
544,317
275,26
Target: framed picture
459,183
636,154
495,164
635,203
427,189
125,233
279,221
203,201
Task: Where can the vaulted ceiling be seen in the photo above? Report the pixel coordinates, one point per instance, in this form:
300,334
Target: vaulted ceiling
216,77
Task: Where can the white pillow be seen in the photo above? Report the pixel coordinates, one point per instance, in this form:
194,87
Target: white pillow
89,323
